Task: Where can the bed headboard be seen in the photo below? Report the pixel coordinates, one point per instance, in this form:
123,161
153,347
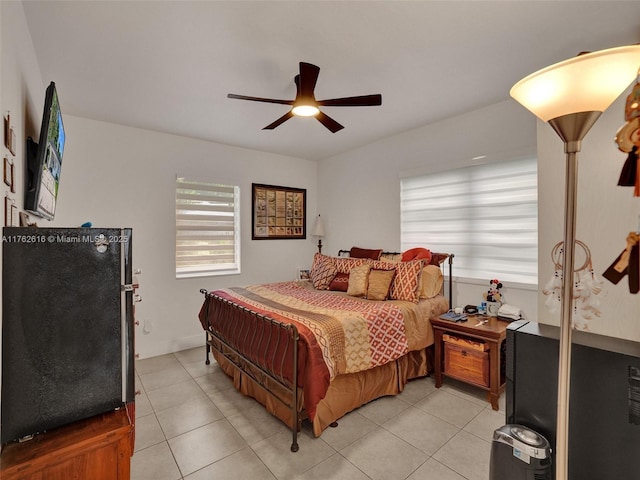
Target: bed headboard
438,258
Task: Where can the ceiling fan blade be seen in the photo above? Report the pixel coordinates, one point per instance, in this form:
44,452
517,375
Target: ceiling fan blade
279,121
260,99
329,122
308,78
359,101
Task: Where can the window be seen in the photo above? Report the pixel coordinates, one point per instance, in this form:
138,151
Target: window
486,215
207,229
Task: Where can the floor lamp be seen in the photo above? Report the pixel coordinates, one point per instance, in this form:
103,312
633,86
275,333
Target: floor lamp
570,96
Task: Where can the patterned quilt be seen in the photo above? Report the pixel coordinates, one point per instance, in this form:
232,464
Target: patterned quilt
341,334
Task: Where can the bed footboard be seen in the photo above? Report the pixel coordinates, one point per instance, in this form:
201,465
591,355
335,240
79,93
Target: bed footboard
253,342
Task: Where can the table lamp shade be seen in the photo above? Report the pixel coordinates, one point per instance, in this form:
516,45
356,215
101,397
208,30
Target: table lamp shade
318,227
587,83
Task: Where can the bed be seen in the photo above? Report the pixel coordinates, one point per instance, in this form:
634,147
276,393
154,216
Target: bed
317,349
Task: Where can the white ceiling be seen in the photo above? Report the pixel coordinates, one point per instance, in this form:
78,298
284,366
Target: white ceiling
168,66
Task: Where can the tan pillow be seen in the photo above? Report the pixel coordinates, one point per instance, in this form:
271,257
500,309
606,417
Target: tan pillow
431,281
358,280
390,257
379,284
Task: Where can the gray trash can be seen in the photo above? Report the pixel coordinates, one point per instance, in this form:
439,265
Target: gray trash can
519,453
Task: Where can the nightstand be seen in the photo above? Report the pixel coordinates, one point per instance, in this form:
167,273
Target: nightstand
471,352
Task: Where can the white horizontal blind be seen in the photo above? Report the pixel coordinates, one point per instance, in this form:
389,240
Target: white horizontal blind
207,229
486,215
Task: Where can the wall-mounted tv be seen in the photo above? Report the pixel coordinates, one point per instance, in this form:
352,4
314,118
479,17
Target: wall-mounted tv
44,160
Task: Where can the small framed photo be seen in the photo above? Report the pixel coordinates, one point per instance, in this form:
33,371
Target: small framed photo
24,220
7,212
7,131
15,218
9,135
304,274
9,174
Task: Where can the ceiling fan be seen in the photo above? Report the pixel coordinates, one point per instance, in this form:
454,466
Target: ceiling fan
305,103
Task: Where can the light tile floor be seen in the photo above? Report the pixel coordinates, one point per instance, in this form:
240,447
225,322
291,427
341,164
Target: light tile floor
191,424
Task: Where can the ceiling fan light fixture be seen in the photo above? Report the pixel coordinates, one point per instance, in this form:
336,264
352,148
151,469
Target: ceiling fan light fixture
305,110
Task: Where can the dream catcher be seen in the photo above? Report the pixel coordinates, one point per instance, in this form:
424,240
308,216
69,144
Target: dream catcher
586,286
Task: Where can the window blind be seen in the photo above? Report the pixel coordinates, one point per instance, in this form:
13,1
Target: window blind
207,229
486,215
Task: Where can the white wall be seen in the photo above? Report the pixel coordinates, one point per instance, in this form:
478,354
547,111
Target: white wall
117,176
359,191
19,78
606,213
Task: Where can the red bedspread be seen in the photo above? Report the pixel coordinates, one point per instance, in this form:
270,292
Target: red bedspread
338,334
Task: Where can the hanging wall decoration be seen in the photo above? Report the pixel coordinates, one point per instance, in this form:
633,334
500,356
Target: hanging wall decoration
628,140
278,212
627,263
586,285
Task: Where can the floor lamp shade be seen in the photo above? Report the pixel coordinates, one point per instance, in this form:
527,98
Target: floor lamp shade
587,83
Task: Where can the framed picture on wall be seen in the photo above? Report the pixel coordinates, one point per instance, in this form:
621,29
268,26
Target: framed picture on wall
9,135
278,212
7,211
8,174
15,218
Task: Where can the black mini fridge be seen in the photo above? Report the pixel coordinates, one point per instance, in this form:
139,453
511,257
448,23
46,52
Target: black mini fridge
67,326
604,398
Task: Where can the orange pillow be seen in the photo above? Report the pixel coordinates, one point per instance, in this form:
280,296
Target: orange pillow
418,253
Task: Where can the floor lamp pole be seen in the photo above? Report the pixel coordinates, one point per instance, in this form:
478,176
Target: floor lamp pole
571,128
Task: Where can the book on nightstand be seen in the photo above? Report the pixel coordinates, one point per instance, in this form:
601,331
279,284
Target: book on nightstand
454,317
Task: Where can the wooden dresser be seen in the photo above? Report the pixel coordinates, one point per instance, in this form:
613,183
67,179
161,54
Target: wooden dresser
98,448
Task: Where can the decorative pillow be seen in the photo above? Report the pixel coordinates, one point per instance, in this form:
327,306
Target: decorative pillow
407,281
380,284
391,257
418,253
437,258
382,265
340,282
358,280
345,264
322,271
357,252
431,281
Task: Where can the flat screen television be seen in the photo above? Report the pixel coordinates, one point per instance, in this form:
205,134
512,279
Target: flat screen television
44,160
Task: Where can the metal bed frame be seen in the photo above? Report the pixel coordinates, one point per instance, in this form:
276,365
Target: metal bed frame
263,335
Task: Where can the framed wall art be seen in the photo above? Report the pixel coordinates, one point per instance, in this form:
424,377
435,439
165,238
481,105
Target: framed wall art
278,212
9,175
9,135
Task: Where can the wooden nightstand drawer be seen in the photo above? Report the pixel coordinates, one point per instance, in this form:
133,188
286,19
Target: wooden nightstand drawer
467,364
